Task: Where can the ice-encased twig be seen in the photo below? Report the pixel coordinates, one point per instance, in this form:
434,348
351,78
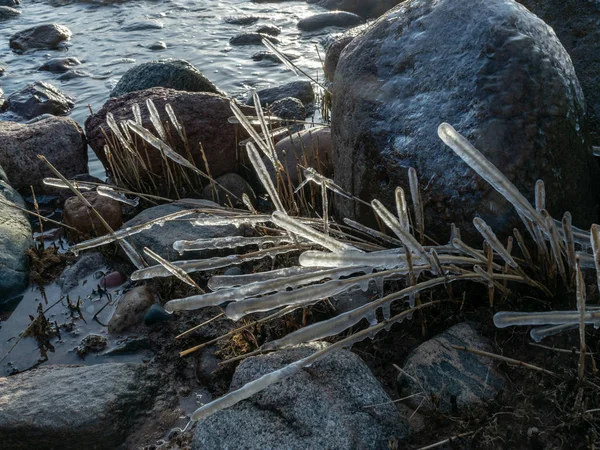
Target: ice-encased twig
163,147
415,193
567,229
137,113
473,157
555,244
311,174
265,130
109,192
257,288
253,133
226,220
155,119
175,121
58,183
112,124
263,176
228,281
491,238
540,196
173,270
371,232
509,319
295,227
129,231
580,294
201,265
595,242
267,380
228,242
392,222
402,209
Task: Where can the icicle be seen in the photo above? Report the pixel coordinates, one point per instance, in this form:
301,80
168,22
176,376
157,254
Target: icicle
201,265
325,203
248,204
229,281
291,225
163,147
253,134
155,119
227,242
263,175
595,242
265,130
569,240
137,113
131,253
537,334
175,121
469,154
402,209
415,193
58,183
254,289
311,174
555,242
109,192
540,196
509,319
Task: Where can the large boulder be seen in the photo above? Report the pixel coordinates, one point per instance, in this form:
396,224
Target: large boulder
505,82
75,407
38,98
204,116
322,407
59,139
48,36
175,74
576,25
371,8
450,380
15,239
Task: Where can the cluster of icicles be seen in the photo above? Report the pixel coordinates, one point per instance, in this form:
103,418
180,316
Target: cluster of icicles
341,264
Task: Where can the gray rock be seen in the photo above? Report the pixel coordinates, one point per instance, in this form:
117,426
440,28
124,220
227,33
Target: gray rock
271,30
518,101
59,139
576,25
92,343
371,8
48,36
446,376
6,12
158,45
74,73
302,90
330,19
160,239
74,407
86,264
167,73
156,314
251,39
15,239
289,108
322,407
143,25
39,98
10,2
131,309
59,65
241,20
233,183
332,56
271,57
312,147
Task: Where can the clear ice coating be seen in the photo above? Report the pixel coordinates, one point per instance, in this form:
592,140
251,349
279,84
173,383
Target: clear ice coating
492,239
263,175
200,265
228,281
539,333
509,319
296,227
272,285
228,242
58,183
